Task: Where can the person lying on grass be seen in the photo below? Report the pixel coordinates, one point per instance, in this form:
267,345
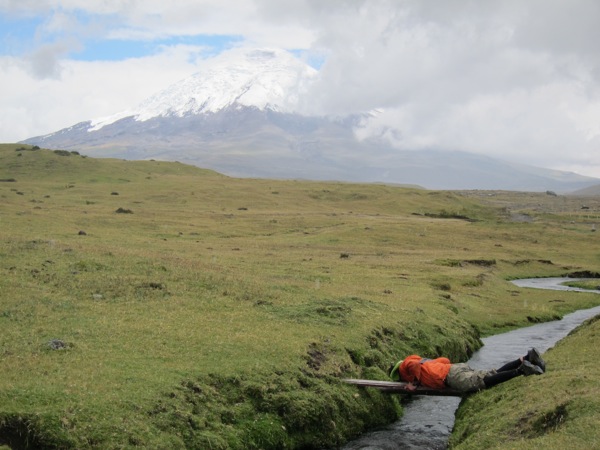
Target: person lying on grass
440,373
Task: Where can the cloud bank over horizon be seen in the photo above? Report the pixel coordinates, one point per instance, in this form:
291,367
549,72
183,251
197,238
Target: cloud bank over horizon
512,80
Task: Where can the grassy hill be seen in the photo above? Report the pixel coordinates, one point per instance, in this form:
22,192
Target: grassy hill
592,191
155,304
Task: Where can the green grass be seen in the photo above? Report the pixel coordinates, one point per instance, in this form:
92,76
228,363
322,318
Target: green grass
591,284
222,312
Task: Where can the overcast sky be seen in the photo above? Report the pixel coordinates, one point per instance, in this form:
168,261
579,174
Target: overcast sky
513,79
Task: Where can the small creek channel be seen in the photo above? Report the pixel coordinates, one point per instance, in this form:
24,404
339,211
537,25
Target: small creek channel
428,421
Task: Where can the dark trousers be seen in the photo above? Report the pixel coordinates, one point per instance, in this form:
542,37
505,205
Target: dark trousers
507,372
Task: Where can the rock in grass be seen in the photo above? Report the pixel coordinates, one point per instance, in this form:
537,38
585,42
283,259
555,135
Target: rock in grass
57,344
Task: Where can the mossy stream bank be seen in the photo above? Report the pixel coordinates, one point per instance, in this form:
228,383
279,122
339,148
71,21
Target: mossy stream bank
308,408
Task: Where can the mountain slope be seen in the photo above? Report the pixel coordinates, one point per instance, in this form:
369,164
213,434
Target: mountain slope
591,191
240,117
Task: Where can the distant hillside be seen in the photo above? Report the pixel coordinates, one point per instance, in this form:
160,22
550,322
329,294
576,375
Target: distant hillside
17,164
247,142
588,192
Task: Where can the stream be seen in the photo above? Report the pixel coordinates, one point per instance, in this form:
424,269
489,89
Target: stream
428,420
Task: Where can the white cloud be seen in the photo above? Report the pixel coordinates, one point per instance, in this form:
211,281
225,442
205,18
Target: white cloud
471,76
45,61
84,90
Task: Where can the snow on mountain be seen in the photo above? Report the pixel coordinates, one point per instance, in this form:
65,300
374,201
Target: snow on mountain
261,78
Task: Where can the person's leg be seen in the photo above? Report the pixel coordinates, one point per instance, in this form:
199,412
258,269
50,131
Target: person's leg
533,356
492,379
511,365
509,371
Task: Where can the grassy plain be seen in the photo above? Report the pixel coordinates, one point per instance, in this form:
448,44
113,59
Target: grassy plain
159,305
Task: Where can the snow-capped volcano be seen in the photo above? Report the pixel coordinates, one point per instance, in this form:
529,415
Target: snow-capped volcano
240,115
261,78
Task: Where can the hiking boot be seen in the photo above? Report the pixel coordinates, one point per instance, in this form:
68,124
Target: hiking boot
534,357
529,369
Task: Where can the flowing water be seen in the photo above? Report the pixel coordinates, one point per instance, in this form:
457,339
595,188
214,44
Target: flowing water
428,421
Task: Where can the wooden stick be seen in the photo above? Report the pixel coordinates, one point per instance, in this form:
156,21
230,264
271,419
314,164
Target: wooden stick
400,388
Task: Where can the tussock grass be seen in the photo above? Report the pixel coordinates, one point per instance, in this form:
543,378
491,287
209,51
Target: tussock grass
222,312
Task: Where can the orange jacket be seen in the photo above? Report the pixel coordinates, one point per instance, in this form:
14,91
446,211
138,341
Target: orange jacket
431,373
